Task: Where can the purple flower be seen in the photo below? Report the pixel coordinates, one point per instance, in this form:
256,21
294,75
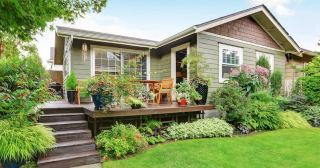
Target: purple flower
262,71
246,69
264,80
235,72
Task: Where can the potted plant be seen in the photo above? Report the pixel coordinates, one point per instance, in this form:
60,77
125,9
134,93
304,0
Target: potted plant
185,93
71,87
197,65
135,103
101,89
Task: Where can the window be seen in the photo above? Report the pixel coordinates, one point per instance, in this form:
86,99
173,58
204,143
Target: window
229,57
270,58
108,61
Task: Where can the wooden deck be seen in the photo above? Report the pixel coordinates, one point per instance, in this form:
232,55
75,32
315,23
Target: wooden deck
151,109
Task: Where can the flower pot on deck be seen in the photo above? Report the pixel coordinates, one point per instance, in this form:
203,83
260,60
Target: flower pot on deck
136,106
71,94
99,100
182,103
12,164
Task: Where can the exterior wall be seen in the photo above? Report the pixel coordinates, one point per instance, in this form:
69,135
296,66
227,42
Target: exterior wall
209,45
246,29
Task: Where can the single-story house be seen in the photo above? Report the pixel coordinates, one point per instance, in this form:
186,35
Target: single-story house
226,42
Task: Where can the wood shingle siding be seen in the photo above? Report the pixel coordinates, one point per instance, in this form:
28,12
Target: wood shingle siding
246,29
209,45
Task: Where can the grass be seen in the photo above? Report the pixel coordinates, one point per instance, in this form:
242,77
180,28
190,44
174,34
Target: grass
280,148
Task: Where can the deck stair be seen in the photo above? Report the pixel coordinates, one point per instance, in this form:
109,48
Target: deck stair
75,146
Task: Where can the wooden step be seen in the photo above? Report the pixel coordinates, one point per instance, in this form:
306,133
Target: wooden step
64,136
68,125
71,147
70,160
62,117
63,110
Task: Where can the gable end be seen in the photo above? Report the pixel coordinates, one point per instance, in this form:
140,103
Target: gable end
245,29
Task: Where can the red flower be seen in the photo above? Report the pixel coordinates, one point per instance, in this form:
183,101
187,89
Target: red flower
105,157
13,65
6,96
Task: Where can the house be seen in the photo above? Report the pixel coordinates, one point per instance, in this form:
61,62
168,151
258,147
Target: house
226,42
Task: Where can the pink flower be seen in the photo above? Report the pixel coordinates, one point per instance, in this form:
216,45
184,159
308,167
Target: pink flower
262,71
246,69
264,80
235,72
236,83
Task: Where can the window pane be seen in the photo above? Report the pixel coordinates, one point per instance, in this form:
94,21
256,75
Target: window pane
230,57
226,69
141,64
107,62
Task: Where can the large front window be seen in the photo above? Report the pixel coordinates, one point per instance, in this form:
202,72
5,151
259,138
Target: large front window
229,57
110,60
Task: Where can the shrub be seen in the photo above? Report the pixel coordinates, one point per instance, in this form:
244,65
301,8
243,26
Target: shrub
295,103
230,101
248,79
312,115
263,96
262,116
210,127
24,143
263,62
276,81
119,141
71,81
291,119
310,87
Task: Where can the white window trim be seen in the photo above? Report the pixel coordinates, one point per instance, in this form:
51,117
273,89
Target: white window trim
267,54
229,47
114,49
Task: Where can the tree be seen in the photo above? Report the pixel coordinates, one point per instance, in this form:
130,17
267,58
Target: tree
25,18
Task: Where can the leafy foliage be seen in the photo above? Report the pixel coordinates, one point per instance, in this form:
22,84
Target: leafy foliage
312,115
197,65
247,79
135,102
204,128
23,88
184,90
71,81
147,130
263,96
25,19
291,119
23,143
263,62
230,101
276,81
310,85
262,116
119,141
295,103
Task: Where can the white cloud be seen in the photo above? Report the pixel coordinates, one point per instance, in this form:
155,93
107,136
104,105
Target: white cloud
93,22
283,11
278,5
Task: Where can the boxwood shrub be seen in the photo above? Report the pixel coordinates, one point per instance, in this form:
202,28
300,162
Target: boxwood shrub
312,115
210,127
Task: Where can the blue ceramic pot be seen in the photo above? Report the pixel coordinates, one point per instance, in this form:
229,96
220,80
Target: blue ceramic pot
98,100
12,164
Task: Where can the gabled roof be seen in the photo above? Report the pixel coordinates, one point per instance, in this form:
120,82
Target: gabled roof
260,14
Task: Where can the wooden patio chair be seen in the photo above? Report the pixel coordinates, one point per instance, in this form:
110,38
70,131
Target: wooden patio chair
166,86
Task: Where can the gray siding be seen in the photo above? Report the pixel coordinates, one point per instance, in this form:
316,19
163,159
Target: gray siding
154,65
209,45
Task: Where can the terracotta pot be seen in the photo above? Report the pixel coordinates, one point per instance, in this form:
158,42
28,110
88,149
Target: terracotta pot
182,103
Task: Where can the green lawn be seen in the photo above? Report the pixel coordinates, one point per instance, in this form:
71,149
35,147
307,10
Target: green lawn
280,148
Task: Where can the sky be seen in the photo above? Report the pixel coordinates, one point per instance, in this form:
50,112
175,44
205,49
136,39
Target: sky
159,19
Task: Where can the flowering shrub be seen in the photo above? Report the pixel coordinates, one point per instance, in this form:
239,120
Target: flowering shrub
119,141
248,79
210,127
23,88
